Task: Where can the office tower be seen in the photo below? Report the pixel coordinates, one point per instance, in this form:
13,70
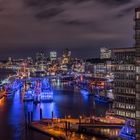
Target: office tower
105,53
137,45
124,82
53,55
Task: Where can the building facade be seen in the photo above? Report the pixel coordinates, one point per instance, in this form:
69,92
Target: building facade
137,45
53,55
127,79
99,67
105,53
124,82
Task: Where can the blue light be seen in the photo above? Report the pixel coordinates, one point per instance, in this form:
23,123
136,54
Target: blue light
39,91
127,132
84,91
48,108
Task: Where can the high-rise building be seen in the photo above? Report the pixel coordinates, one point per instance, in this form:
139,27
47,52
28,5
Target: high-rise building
66,57
127,79
105,53
53,55
124,82
9,61
137,45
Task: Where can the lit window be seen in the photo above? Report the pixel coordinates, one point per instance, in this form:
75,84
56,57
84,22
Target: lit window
138,114
138,70
137,77
138,96
138,15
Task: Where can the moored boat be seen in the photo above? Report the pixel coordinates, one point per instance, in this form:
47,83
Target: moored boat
128,131
46,94
102,99
29,95
84,91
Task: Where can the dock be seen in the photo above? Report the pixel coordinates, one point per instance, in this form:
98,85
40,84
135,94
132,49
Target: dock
58,131
69,128
48,130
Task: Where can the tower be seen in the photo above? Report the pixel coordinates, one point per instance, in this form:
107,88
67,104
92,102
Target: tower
137,80
53,55
66,57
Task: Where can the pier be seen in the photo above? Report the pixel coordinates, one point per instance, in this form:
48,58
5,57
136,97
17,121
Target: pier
69,128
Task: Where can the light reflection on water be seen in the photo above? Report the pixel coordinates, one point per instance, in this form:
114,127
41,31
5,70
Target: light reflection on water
47,109
2,102
12,112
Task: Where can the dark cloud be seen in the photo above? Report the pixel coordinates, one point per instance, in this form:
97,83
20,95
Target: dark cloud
114,2
59,24
1,10
42,3
75,22
48,13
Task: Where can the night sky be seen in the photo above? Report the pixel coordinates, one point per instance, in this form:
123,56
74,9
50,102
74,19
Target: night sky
83,26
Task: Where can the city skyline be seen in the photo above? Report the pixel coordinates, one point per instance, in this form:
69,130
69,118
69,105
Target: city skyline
70,69
82,26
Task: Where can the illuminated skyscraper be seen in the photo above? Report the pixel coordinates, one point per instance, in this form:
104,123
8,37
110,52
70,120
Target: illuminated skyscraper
66,57
105,53
53,55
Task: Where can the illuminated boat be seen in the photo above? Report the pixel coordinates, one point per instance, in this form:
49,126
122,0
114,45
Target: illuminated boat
127,132
36,99
29,95
16,85
46,91
85,91
102,99
37,91
46,95
101,96
9,90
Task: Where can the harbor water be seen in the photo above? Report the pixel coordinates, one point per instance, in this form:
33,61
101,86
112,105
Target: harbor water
67,101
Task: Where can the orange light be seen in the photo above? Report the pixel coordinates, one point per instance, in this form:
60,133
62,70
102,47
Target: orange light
1,101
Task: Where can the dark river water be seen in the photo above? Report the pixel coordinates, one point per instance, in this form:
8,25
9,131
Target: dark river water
67,101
